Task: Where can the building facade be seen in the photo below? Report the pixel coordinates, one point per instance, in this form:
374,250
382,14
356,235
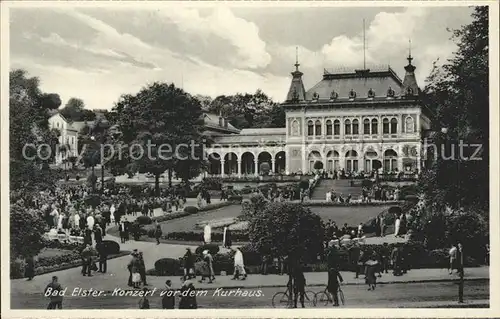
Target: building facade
68,138
357,122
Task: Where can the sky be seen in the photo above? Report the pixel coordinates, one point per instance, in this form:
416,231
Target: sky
98,54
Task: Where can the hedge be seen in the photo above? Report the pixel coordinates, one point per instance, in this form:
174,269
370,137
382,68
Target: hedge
236,236
111,247
212,248
191,210
144,220
168,267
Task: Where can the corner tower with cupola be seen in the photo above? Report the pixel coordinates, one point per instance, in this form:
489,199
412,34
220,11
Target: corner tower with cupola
357,121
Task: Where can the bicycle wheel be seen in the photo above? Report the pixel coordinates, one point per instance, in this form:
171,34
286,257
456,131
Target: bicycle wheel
280,300
341,295
309,297
321,299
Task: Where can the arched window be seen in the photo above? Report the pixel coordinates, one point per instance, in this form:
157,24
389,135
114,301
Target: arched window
385,126
347,127
394,126
374,127
409,125
336,127
310,128
318,128
355,127
366,126
329,128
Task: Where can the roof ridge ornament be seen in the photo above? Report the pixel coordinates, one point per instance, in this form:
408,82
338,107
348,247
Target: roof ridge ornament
352,94
334,95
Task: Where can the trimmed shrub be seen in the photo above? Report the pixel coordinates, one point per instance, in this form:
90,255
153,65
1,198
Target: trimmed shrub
111,247
413,198
191,210
17,269
212,248
235,198
168,267
144,220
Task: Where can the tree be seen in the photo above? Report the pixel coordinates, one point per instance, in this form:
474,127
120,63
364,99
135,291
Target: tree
160,128
26,231
29,128
458,92
75,111
287,229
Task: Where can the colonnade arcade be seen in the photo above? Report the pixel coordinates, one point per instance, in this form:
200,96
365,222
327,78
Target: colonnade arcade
352,160
246,163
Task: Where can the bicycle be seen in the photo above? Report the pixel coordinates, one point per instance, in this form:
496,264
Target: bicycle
324,297
285,299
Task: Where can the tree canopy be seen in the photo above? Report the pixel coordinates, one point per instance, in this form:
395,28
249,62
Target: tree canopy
458,93
158,127
247,110
75,111
287,230
28,117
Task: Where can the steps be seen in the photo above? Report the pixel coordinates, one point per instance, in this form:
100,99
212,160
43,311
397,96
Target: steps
341,186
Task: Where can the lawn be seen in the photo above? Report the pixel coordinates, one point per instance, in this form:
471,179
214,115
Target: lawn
350,215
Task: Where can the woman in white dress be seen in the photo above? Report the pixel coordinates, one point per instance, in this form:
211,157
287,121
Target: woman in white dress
207,236
397,224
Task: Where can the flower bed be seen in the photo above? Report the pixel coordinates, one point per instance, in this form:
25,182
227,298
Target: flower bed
236,236
45,265
216,223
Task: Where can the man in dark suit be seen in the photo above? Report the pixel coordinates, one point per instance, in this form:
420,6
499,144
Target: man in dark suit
98,234
168,299
103,258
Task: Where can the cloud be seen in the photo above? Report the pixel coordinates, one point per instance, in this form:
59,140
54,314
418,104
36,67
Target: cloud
243,35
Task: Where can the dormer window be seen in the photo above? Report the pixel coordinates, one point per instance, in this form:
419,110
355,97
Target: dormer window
334,95
390,92
371,93
409,91
316,96
352,94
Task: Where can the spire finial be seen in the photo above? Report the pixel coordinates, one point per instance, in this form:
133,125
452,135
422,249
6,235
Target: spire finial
409,52
297,64
364,46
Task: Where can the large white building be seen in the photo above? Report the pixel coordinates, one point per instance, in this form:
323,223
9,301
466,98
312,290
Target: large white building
68,138
357,121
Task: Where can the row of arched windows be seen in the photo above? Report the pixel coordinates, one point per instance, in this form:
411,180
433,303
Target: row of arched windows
352,127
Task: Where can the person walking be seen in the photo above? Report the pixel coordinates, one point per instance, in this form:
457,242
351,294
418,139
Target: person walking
29,269
103,258
188,264
453,259
98,234
130,267
168,298
334,280
188,295
372,266
239,265
54,292
86,255
142,269
158,233
122,228
299,284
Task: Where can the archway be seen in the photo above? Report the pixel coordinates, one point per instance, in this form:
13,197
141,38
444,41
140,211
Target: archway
231,164
280,163
351,161
370,157
332,161
314,157
247,163
214,167
264,157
